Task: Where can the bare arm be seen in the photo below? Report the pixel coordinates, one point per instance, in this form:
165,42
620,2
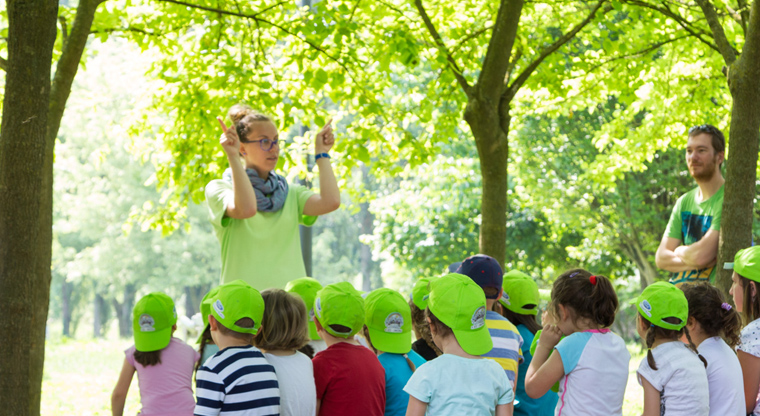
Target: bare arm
666,258
651,399
702,253
119,395
416,407
328,199
504,410
546,367
244,204
751,370
319,403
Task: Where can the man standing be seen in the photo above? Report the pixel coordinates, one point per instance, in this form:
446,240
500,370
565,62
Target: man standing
689,246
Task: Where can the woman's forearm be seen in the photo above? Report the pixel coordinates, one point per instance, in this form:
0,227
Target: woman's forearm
244,205
328,185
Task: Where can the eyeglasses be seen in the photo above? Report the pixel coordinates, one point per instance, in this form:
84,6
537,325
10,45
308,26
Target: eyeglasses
265,144
704,128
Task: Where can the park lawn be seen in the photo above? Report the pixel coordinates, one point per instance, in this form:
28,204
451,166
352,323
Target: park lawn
80,375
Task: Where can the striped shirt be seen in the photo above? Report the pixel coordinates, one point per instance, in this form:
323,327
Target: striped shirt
237,381
507,342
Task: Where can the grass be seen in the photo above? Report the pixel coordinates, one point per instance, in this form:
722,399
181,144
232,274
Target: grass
80,375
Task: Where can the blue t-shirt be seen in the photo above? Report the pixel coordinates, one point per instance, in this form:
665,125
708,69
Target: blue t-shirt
458,386
397,373
524,404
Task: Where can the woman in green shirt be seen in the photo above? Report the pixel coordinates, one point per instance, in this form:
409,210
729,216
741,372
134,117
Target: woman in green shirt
255,212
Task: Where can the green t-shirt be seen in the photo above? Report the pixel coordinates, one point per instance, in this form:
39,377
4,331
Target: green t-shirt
689,222
264,250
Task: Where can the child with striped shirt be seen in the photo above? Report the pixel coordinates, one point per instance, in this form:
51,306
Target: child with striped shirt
507,341
238,379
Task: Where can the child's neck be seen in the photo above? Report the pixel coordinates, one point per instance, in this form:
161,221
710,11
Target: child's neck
224,341
280,353
450,345
659,341
331,340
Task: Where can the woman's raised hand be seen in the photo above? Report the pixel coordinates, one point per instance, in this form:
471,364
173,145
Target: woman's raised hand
230,141
325,139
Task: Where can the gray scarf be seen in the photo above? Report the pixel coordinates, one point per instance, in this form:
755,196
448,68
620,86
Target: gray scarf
270,193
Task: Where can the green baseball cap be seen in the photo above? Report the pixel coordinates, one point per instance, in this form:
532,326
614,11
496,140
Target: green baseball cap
154,316
205,308
747,263
339,304
520,291
389,321
237,300
306,288
420,292
662,300
457,301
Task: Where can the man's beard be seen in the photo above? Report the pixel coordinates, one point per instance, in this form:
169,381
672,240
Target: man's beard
707,172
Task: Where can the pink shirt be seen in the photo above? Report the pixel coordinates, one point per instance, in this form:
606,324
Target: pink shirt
166,388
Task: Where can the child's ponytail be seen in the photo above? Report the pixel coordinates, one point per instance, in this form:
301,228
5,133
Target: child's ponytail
731,323
694,347
650,338
411,364
590,296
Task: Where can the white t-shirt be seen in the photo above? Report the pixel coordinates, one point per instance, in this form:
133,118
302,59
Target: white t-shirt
596,373
750,343
724,378
298,393
318,345
680,378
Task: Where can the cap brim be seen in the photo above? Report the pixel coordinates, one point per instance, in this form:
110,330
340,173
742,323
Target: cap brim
399,343
313,334
474,342
153,341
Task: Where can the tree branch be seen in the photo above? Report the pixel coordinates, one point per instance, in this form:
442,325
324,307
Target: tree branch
724,47
255,18
686,25
744,13
64,30
636,54
469,37
125,29
526,73
499,53
737,18
442,47
3,64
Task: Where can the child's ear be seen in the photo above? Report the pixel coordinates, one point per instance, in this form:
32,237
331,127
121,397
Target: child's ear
212,323
753,289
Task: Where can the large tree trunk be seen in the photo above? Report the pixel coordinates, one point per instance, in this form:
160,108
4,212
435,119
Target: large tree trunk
741,172
491,142
25,251
98,315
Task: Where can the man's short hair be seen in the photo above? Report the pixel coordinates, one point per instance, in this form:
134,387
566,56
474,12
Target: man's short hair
718,140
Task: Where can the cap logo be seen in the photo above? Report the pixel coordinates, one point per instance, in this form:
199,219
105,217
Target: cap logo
394,322
318,307
219,308
646,307
505,298
479,318
147,323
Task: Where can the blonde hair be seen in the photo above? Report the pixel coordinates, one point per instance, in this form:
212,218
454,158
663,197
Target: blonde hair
284,326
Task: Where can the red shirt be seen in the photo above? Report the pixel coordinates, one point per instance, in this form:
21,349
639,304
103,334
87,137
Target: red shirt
350,381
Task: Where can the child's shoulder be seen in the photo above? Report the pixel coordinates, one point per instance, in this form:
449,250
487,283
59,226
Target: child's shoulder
750,338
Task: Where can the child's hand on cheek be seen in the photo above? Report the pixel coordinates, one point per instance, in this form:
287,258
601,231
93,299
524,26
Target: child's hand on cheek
550,336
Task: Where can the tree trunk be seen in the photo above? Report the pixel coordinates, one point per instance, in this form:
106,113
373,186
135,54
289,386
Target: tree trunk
367,228
66,307
98,316
124,311
25,252
647,271
491,142
193,297
741,170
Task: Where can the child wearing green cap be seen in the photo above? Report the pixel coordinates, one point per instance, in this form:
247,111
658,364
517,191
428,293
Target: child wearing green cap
237,379
460,381
519,304
673,374
424,345
388,330
164,364
283,332
206,347
744,290
306,288
349,378
591,362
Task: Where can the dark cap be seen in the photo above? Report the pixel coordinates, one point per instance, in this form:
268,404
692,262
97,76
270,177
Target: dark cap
483,270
